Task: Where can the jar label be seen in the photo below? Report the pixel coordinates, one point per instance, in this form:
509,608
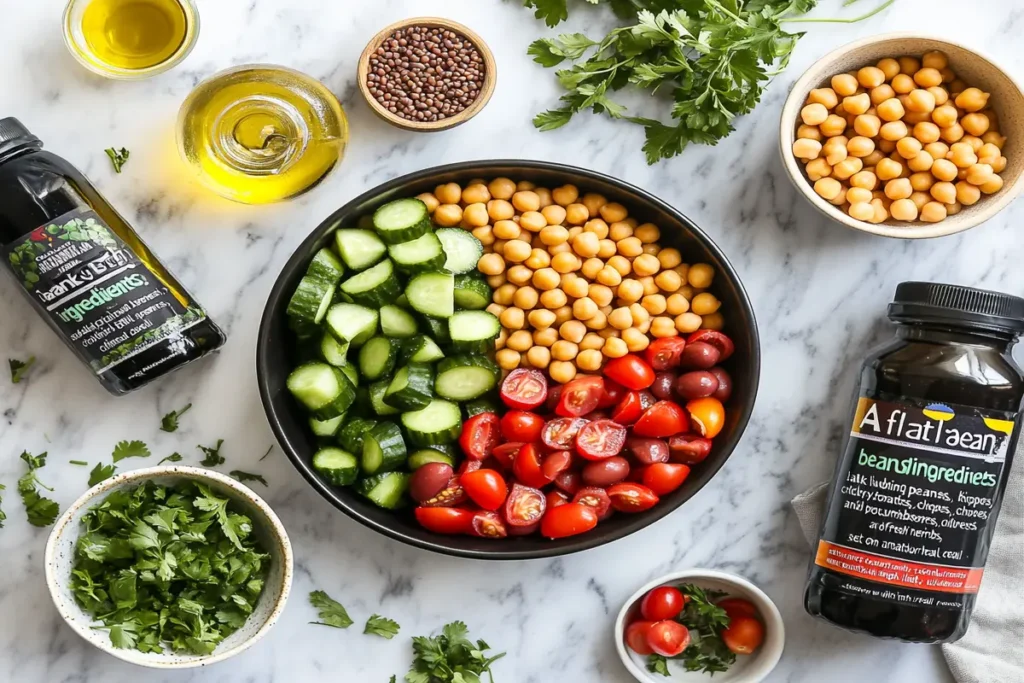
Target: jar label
907,518
95,290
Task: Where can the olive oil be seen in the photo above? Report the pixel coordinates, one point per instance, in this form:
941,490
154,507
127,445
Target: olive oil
259,134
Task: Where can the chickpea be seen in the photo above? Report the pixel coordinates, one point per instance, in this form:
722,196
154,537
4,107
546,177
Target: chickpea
922,181
953,209
562,371
640,314
889,67
967,194
840,198
903,210
538,357
553,298
539,259
589,360
506,230
933,212
844,84
835,151
922,162
520,340
974,142
630,290
613,212
828,188
909,147
701,275
962,155
504,294
972,100
485,234
652,249
944,170
544,279
609,276
606,248
448,215
919,199
953,133
999,164
663,326
928,77
541,318
450,193
992,185
600,294
591,340
564,350
935,60
648,233
909,65
978,174
621,318
887,169
806,149
491,264
864,179
598,227
687,322
920,101
715,321
563,314
591,267
975,123
517,251
620,264
926,132
861,211
938,150
988,153
994,138
533,221
903,84
854,104
867,125
584,308
844,169
944,116
881,93
898,188
832,126
646,264
553,235
495,281
619,230
650,286
705,303
430,200
508,359
825,96
655,304
476,193
501,188
860,146
881,213
526,298
870,77
856,195
554,215
890,110
576,214
635,340
565,195
668,281
585,244
630,247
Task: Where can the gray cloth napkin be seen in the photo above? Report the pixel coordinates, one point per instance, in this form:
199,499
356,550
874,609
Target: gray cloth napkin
992,651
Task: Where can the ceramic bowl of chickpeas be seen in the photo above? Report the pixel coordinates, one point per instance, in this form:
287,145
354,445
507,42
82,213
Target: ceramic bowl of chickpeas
905,136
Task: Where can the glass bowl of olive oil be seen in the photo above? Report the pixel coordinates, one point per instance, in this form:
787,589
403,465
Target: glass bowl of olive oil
130,39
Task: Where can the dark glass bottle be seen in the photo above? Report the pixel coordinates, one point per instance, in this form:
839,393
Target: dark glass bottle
914,501
88,274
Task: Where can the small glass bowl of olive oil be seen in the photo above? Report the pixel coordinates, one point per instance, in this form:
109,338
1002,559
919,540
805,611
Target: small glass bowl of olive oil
130,39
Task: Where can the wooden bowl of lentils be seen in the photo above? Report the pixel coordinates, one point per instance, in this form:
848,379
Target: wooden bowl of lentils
427,74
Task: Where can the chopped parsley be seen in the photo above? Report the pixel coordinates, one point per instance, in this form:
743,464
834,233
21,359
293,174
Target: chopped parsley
19,368
213,456
118,157
267,453
100,473
79,462
169,422
173,457
41,511
381,626
130,449
247,476
330,611
450,657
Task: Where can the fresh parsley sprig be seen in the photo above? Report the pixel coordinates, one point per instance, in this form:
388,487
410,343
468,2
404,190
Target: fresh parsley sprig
130,449
381,626
169,422
450,657
19,368
39,510
330,611
213,456
101,472
118,157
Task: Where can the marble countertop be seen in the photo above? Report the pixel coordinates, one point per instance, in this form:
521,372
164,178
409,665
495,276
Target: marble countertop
819,291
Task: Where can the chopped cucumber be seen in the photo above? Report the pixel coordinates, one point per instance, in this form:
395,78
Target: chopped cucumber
325,266
383,449
377,391
333,351
352,434
439,422
397,322
352,323
350,371
326,427
464,378
338,467
471,293
474,331
386,490
411,388
462,249
309,304
437,328
428,455
431,294
377,358
323,389
360,249
375,286
402,220
480,405
421,349
420,255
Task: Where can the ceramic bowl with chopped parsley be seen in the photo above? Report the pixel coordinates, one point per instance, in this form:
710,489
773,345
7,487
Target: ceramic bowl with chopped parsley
170,567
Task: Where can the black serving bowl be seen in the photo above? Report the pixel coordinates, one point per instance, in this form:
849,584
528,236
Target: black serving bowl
289,422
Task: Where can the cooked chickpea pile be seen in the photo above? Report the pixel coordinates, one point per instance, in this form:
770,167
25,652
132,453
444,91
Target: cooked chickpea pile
904,139
575,279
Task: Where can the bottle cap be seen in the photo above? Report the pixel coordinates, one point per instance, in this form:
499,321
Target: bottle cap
14,135
957,305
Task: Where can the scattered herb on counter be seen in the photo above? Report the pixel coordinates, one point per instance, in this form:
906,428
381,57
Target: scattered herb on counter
79,462
19,368
173,457
100,473
213,456
3,515
117,157
381,626
330,611
705,621
392,679
168,567
40,511
169,422
248,476
450,657
130,449
267,453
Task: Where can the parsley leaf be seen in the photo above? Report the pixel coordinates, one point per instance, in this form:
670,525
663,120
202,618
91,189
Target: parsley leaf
450,657
381,626
393,677
117,157
130,449
19,368
213,456
173,457
169,422
39,510
553,12
101,472
3,515
247,476
330,611
658,664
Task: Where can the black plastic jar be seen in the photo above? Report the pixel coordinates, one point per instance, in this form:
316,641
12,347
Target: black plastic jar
914,500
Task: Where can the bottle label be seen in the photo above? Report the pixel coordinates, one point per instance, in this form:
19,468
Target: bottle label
96,291
908,516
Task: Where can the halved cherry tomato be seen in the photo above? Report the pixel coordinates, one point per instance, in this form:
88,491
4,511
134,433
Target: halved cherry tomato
554,463
663,602
632,497
636,637
668,638
580,396
569,481
445,520
743,635
664,477
486,488
480,434
527,467
524,389
560,433
707,415
600,439
504,453
487,524
525,506
688,449
630,371
452,495
519,425
613,394
664,354
568,520
469,466
737,607
523,530
594,497
628,410
664,418
556,498
716,339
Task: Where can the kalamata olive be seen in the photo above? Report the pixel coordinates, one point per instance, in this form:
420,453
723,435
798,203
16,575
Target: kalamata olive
647,400
700,356
606,472
724,390
429,480
647,451
554,396
662,387
689,449
696,384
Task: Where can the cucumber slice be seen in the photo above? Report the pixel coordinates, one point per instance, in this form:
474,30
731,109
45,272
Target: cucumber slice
421,349
437,328
352,323
338,467
396,322
422,254
377,391
333,351
464,378
323,389
474,331
350,371
352,434
326,427
386,490
402,220
402,301
325,266
431,294
360,249
412,387
383,449
462,249
375,286
309,305
377,358
428,455
471,293
439,422
480,405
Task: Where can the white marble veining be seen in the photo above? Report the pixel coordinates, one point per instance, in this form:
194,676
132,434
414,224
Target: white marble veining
820,293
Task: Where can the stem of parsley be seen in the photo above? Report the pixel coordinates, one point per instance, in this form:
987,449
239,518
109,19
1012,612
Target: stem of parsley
854,20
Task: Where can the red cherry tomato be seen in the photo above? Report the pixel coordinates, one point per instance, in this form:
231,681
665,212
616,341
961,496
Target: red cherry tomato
568,520
523,530
707,415
487,524
738,607
663,602
555,463
688,449
445,520
580,396
525,506
662,419
613,394
594,497
527,467
600,439
569,481
632,497
636,637
486,488
630,371
469,466
505,452
518,425
560,433
524,389
480,435
554,398
664,354
663,477
716,339
556,498
668,638
628,410
450,496
743,635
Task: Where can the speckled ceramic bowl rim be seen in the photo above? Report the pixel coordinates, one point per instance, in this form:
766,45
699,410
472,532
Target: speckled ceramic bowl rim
773,623
787,135
274,527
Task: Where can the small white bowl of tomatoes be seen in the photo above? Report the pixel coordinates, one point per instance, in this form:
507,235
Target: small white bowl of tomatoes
697,624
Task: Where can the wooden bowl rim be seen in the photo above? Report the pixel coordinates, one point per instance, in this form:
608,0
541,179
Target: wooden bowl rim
486,90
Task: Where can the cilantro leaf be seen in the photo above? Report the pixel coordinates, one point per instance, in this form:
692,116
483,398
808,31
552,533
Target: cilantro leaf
19,368
101,472
117,157
39,510
213,456
169,422
130,449
173,457
247,476
381,626
330,611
